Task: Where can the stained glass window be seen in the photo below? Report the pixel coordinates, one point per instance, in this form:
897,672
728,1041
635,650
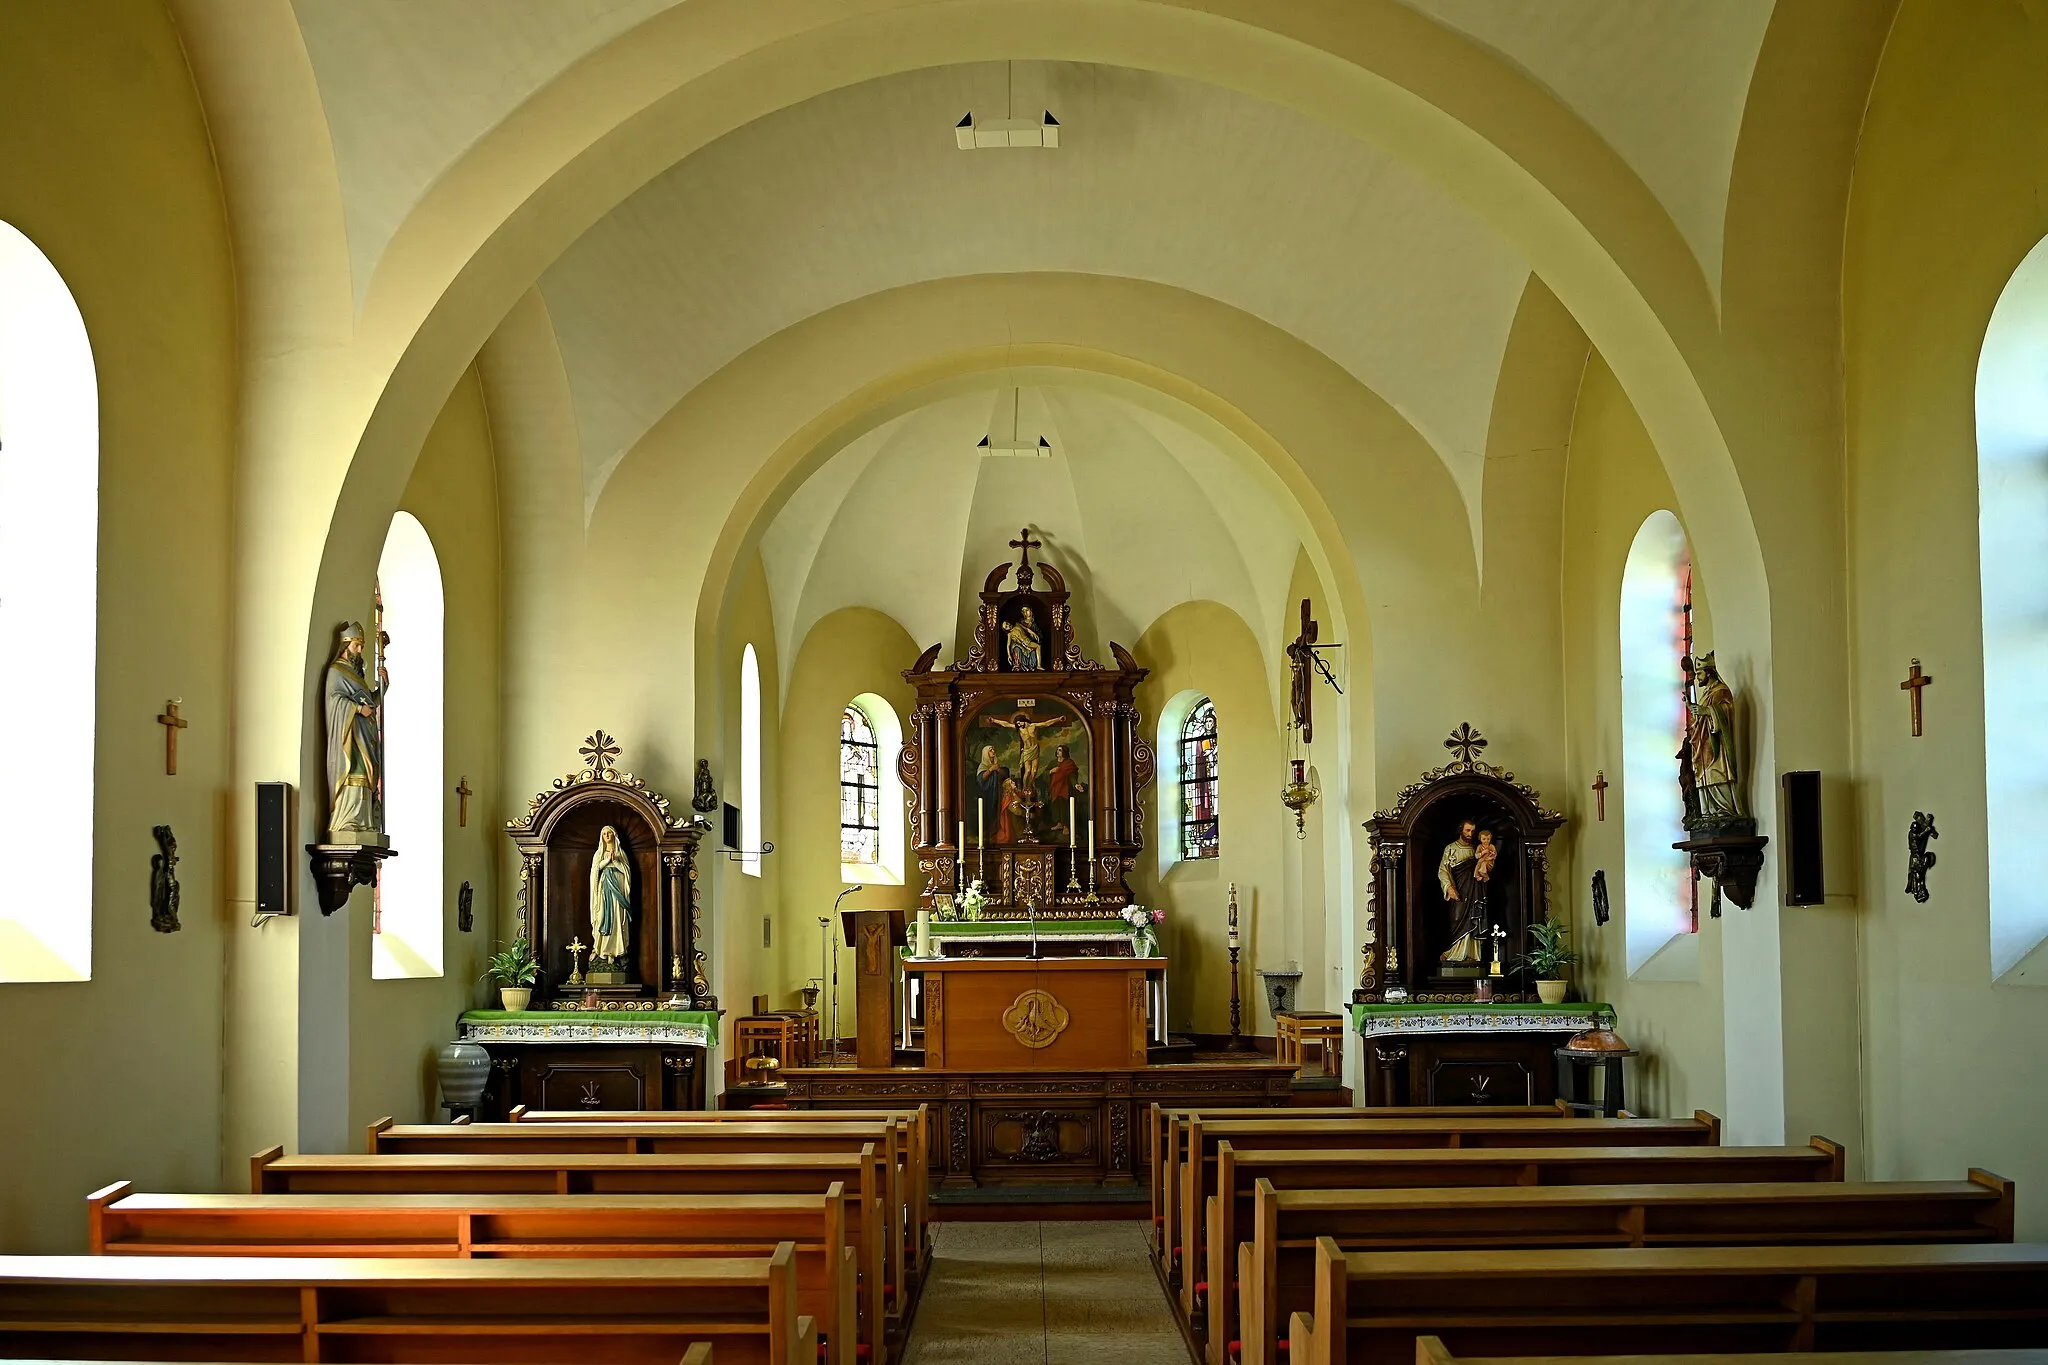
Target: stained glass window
860,789
1660,894
1198,824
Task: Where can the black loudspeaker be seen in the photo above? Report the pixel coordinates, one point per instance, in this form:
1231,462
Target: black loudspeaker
732,825
1806,881
276,817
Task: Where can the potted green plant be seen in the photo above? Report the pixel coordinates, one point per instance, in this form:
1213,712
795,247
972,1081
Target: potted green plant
1551,960
515,971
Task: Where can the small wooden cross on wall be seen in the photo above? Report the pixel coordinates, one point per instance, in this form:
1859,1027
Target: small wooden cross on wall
1600,791
1915,680
172,723
462,793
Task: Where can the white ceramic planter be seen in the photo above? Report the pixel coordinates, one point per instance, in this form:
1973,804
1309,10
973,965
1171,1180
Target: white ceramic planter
1551,992
515,997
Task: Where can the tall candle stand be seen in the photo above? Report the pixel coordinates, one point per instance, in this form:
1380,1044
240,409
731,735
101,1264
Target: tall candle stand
1238,1042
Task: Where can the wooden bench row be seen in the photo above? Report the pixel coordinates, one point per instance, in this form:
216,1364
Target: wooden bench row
857,1174
626,1311
1276,1267
1370,1307
494,1227
1228,1213
1197,1139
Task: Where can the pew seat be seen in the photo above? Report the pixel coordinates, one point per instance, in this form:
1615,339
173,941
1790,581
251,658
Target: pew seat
626,1311
1371,1306
1275,1268
1432,1351
124,1223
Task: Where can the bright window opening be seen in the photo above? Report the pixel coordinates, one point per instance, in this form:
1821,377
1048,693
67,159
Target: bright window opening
2012,541
1656,602
49,564
410,921
750,763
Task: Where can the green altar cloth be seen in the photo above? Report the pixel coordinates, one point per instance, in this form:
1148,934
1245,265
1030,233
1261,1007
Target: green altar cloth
599,1025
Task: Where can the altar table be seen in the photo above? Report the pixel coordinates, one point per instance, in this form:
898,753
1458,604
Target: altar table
1465,1052
1039,1014
593,1059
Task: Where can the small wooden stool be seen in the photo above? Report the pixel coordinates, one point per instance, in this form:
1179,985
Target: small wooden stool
779,1035
1298,1030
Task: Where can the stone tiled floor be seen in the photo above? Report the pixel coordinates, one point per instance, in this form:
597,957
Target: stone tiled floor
1042,1294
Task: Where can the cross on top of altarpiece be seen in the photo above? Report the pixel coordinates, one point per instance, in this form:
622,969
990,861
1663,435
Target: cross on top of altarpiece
1466,742
598,752
1024,545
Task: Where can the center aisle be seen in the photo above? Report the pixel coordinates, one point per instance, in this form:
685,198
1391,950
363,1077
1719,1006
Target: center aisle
1042,1294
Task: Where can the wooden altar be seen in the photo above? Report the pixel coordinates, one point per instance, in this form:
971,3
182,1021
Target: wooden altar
558,839
1045,1014
1411,923
1026,760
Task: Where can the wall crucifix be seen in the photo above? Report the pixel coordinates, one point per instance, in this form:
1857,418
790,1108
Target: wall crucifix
172,723
1304,661
1600,791
462,794
1915,680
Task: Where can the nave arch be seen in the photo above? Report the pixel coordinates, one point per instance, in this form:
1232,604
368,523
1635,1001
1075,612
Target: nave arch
336,404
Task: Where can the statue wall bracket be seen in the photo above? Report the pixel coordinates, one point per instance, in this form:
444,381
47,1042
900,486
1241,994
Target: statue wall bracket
340,868
1733,856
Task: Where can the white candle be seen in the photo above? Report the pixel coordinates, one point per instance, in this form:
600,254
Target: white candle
980,823
1091,844
960,853
1073,828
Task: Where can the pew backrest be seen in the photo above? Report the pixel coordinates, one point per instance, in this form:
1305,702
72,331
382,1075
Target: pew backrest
1370,1306
285,1309
1276,1265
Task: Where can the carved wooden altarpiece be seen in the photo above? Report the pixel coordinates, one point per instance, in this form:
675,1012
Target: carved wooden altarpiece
1410,923
557,839
1010,743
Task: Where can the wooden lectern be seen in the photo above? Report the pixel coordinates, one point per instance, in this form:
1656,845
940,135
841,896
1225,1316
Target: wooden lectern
874,935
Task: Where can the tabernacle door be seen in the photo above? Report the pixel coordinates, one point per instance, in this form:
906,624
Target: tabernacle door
1051,1014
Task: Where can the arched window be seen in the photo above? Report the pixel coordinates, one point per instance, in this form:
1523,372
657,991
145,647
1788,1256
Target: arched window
49,602
872,832
860,789
1200,832
2012,548
750,762
412,613
1656,635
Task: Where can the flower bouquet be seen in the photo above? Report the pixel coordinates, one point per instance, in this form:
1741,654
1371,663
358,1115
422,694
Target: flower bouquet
1144,929
973,900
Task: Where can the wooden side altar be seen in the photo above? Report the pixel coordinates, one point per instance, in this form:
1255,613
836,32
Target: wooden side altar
1036,1014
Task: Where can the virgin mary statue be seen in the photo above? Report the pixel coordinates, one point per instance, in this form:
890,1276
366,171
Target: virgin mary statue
611,887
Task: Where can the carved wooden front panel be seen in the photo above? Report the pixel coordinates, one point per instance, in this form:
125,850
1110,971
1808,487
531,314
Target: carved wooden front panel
1473,1081
1039,1136
589,1085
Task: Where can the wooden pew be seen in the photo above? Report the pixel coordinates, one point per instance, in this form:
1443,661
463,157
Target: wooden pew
901,1176
123,1223
248,1308
1276,1266
1370,1306
917,1116
602,1173
1432,1351
1166,1136
1231,1207
1198,1171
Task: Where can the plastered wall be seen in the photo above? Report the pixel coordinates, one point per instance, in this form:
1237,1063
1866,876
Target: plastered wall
1950,193
851,651
395,1025
108,171
1615,482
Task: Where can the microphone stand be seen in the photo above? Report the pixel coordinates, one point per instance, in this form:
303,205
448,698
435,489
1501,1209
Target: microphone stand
836,1053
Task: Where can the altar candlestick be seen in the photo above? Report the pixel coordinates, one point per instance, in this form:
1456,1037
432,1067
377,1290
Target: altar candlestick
960,853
